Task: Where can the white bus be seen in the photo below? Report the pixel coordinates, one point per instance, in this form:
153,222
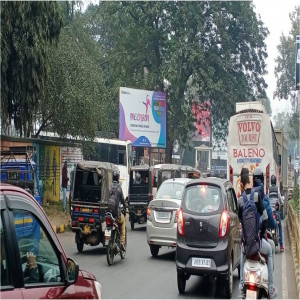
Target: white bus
117,152
251,143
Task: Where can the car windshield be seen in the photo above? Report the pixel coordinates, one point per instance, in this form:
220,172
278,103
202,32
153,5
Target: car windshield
203,199
170,190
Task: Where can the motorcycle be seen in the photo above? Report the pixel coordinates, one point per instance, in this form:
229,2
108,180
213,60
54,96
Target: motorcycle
275,232
113,239
256,277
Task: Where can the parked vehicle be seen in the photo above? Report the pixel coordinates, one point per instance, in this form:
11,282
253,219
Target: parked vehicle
161,214
18,169
163,172
113,238
140,193
208,236
53,274
91,181
256,283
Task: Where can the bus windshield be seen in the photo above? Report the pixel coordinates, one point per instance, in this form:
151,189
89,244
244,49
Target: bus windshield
111,153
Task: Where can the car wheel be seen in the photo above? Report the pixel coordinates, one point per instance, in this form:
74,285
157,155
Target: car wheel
154,250
80,246
229,281
181,282
132,225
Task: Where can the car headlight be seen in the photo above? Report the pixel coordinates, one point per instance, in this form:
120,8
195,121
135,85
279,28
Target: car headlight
98,289
253,277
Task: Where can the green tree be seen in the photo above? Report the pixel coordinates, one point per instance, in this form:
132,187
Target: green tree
75,100
285,62
27,29
217,46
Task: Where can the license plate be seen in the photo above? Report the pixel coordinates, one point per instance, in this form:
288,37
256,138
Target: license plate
163,215
201,262
86,210
250,294
87,229
107,232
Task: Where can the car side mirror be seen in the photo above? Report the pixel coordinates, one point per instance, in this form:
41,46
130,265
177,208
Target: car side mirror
72,271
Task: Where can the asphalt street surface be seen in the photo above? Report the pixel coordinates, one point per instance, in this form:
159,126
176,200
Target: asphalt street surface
140,276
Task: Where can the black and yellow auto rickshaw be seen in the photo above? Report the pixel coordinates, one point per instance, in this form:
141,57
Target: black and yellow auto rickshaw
90,184
140,193
168,171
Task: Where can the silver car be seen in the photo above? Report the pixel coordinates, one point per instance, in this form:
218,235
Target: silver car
162,214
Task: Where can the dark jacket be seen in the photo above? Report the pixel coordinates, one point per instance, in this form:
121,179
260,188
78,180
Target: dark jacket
120,193
65,178
260,209
259,187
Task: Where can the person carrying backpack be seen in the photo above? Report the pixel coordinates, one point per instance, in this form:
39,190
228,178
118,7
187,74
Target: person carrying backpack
251,210
115,197
276,202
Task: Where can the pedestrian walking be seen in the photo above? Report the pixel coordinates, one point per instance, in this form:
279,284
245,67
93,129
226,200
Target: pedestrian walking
64,184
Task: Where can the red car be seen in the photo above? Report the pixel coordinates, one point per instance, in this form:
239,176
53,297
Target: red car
33,262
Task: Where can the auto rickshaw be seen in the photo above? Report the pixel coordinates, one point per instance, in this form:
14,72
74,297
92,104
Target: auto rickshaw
140,193
89,194
168,171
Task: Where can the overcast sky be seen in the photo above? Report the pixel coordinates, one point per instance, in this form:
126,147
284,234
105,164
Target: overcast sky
275,15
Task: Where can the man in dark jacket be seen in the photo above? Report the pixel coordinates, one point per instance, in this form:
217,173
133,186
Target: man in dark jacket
265,246
64,184
120,198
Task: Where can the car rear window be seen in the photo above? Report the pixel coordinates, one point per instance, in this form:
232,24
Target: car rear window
170,190
203,199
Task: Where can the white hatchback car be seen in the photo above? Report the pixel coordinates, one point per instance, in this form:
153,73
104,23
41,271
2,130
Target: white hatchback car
162,214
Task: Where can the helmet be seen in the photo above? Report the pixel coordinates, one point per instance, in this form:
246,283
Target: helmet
258,174
273,180
116,175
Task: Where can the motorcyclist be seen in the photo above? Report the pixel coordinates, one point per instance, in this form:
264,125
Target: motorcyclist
258,183
275,198
265,247
121,218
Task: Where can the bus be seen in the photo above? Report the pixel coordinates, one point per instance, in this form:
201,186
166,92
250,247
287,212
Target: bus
251,143
117,152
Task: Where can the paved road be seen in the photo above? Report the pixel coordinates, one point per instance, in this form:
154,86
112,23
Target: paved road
140,275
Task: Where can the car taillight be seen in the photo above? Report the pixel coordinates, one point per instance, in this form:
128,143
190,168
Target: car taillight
149,213
80,219
224,224
180,222
96,210
91,220
108,221
76,208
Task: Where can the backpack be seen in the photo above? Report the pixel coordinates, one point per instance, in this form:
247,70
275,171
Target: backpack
273,196
250,225
113,201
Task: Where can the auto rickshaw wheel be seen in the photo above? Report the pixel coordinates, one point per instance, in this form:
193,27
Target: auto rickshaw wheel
80,246
154,249
132,225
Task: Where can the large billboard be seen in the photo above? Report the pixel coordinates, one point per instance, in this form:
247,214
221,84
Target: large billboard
143,117
201,112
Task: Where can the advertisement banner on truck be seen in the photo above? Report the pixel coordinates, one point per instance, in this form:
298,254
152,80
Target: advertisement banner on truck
142,117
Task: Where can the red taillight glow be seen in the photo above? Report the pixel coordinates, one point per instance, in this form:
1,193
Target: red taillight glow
76,208
80,219
180,222
91,220
96,210
224,224
108,221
